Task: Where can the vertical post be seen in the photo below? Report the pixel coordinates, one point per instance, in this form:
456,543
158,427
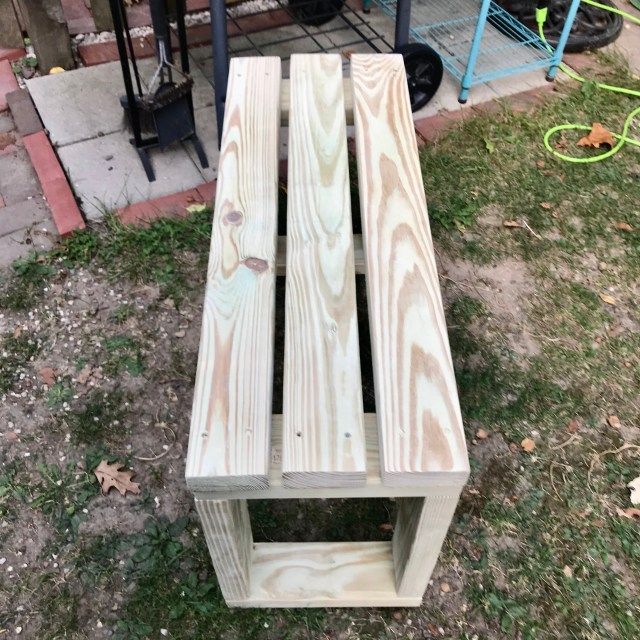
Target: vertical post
10,31
227,530
101,15
564,36
220,48
403,19
421,528
48,32
467,78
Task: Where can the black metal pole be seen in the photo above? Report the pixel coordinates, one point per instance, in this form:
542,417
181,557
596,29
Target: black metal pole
403,19
220,50
134,114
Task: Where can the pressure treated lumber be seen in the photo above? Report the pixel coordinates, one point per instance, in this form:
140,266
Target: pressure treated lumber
231,417
227,530
323,574
285,100
323,431
419,421
358,255
421,527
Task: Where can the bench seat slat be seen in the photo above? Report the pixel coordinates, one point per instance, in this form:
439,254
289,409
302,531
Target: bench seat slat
419,421
324,441
229,443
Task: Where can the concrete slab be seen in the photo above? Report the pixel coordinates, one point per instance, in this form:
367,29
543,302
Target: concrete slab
41,237
22,214
208,134
18,180
85,103
6,122
627,43
106,173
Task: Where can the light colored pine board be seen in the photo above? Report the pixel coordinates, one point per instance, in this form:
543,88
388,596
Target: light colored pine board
227,530
419,421
421,527
358,255
231,419
285,100
323,431
372,489
323,574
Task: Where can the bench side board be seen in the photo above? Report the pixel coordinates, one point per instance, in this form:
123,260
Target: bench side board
419,421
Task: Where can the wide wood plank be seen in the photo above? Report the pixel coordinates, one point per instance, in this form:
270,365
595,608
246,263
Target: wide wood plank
419,421
323,574
231,419
358,255
322,402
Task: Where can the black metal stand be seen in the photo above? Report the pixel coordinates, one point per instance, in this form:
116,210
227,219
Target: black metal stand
349,17
132,99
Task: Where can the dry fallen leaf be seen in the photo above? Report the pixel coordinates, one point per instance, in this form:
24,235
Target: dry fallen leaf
528,445
481,434
196,208
512,224
385,527
47,375
84,375
109,475
573,425
546,205
605,297
568,571
614,422
623,226
631,512
634,485
597,137
444,587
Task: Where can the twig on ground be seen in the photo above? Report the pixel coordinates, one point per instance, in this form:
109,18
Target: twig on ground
597,458
164,453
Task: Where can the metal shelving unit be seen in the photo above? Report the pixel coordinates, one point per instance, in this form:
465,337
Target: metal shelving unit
480,41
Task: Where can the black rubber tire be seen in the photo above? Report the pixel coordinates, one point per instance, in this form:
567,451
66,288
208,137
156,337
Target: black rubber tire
424,72
593,28
315,12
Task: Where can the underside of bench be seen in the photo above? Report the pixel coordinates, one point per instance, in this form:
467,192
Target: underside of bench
323,444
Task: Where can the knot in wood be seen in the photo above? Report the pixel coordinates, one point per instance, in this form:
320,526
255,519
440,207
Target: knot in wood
233,217
258,265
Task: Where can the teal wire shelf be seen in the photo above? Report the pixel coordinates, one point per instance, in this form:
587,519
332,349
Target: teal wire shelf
507,46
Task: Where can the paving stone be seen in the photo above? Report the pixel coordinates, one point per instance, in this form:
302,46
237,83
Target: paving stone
6,122
18,180
85,103
208,134
106,173
78,17
41,237
24,112
22,214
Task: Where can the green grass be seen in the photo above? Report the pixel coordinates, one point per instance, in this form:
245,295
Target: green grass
124,353
100,420
16,350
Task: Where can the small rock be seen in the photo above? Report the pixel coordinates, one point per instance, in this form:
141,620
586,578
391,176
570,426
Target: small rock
179,334
445,587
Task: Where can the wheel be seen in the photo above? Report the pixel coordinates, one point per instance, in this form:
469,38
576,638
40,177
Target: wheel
316,12
592,28
424,72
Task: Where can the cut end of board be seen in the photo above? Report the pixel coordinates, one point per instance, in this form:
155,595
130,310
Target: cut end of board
226,483
453,478
307,479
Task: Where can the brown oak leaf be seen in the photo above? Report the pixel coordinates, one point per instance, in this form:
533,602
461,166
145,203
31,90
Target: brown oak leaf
623,226
597,137
110,475
47,375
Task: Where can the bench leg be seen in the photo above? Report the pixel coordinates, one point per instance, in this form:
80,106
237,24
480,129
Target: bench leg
420,530
227,530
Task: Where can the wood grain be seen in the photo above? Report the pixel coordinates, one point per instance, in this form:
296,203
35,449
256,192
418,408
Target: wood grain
231,419
421,435
421,527
323,432
358,255
227,530
323,574
285,100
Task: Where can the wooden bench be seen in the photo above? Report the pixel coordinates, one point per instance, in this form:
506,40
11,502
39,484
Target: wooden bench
323,445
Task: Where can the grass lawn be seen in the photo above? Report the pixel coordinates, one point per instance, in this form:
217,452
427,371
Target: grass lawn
97,359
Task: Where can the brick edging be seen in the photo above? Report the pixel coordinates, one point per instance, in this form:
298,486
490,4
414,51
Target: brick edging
62,203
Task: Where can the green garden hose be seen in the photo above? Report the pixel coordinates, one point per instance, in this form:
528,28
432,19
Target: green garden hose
622,139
